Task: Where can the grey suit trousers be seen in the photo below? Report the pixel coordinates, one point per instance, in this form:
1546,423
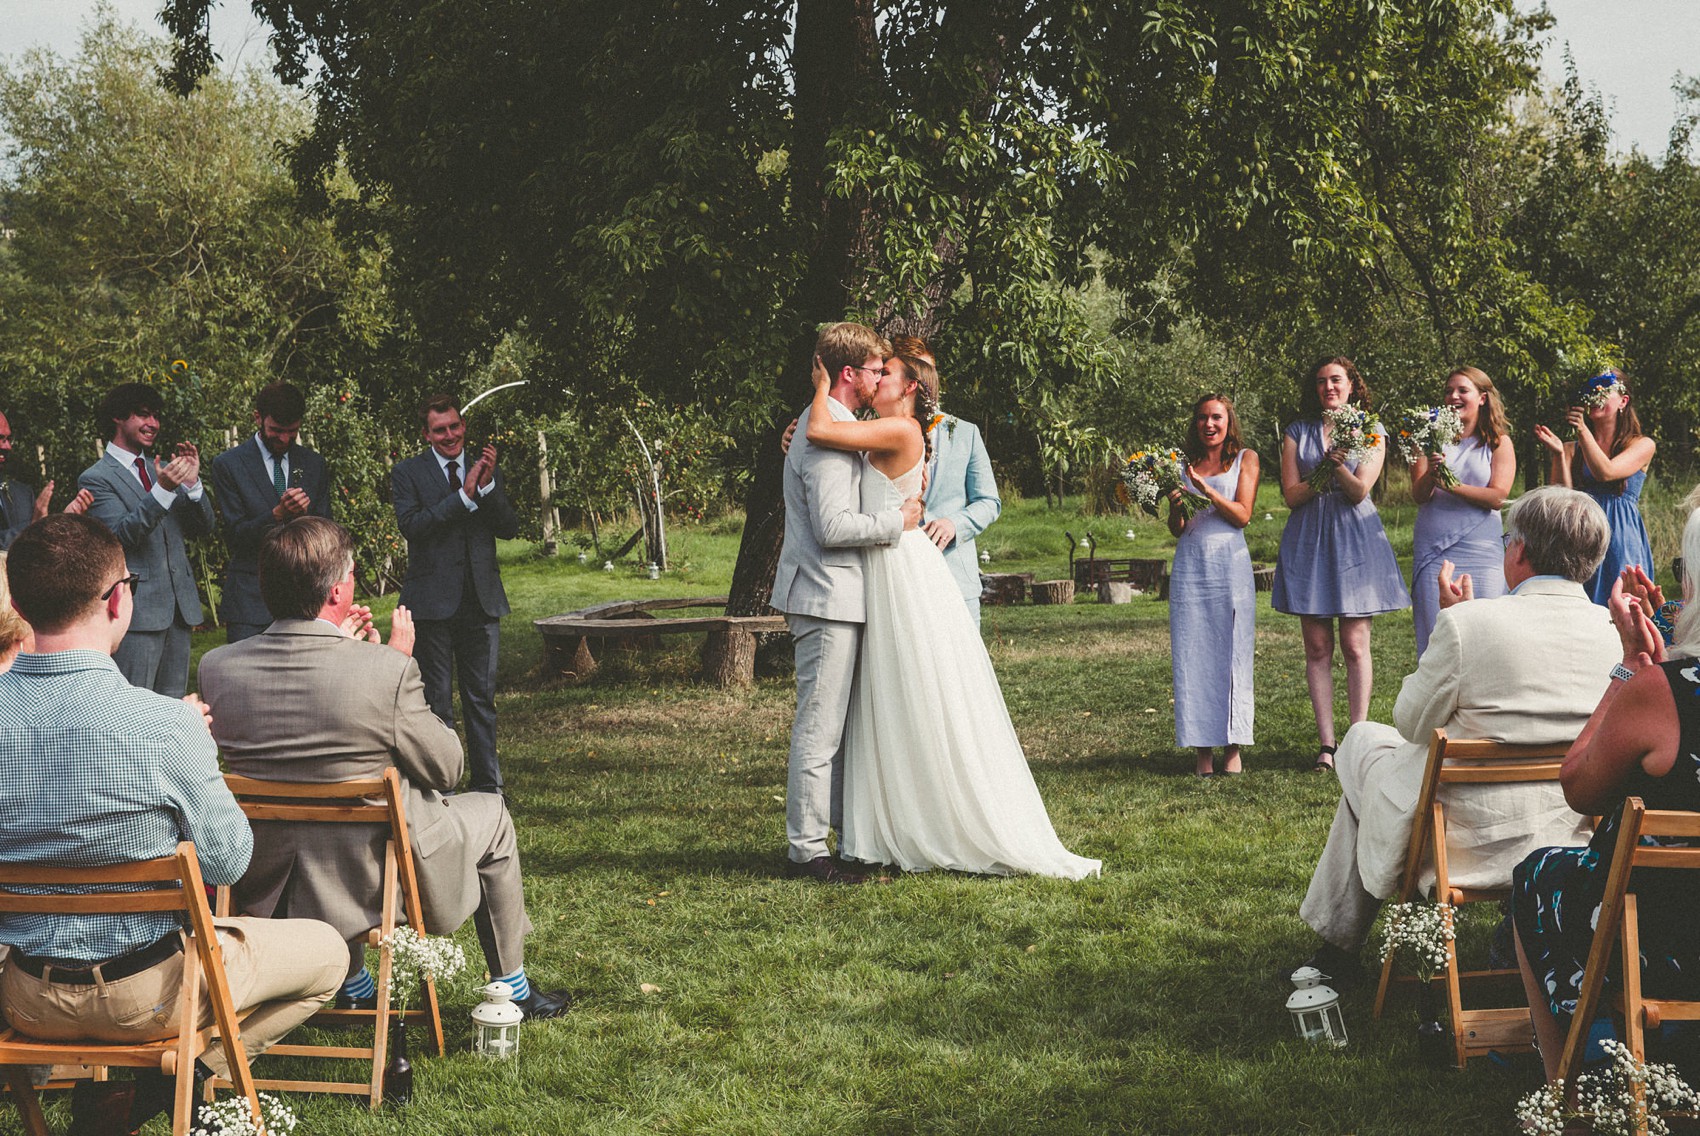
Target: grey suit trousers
156,660
826,652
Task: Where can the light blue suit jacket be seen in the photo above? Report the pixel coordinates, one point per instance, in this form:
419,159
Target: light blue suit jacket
962,489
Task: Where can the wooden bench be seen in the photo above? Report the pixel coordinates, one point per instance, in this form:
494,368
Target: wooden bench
1148,575
574,641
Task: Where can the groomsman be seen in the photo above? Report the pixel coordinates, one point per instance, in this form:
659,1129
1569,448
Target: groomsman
19,503
153,509
260,483
451,511
962,492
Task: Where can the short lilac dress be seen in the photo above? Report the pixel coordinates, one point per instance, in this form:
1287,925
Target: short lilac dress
1335,559
1212,625
1451,528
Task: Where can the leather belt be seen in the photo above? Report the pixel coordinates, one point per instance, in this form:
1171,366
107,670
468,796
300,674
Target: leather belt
82,973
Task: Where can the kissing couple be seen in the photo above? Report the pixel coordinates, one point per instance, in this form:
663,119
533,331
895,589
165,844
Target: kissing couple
901,741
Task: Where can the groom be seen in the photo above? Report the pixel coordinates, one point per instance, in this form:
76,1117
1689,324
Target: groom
819,588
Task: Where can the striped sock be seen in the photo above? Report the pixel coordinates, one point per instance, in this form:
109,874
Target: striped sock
360,986
521,988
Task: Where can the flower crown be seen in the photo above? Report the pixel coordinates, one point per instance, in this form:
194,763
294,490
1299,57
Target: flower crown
1602,386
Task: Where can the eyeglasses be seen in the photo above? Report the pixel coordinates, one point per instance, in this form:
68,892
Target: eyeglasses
132,579
875,370
1508,538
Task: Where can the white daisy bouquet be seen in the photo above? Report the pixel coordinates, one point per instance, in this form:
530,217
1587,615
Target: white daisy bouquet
1151,473
1617,1101
1425,431
1352,429
419,957
1421,934
1596,392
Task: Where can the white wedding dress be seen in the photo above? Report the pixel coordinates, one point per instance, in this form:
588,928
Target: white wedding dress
934,775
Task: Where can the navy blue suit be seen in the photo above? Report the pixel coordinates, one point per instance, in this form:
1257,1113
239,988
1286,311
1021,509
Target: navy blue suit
245,494
17,506
454,590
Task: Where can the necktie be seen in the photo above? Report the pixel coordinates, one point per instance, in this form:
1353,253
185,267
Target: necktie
142,472
454,478
277,474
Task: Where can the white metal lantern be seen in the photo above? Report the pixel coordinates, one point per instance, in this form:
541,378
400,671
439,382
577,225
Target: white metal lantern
583,556
607,565
985,557
496,1022
1316,1008
654,570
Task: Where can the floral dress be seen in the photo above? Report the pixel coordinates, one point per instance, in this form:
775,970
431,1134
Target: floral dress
1556,892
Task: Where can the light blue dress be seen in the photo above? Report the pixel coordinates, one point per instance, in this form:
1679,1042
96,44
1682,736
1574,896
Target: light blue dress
1629,543
1212,616
1334,558
1451,528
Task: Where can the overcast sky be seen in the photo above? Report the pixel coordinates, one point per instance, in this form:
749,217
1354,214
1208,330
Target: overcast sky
1630,50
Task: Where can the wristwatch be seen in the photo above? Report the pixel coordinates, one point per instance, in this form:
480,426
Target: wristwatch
1619,671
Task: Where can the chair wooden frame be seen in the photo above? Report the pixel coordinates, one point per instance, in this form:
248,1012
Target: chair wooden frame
181,890
1458,761
1618,929
351,802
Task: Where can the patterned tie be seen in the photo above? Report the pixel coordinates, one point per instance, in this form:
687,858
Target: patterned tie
142,472
454,478
277,474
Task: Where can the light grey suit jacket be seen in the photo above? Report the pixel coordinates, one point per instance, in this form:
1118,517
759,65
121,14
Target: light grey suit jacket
820,563
301,702
962,490
153,538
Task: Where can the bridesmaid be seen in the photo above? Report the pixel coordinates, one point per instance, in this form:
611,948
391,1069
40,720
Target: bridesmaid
1335,561
1614,456
1461,524
1212,599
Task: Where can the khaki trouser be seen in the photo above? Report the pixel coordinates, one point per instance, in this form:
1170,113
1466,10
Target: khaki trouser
283,969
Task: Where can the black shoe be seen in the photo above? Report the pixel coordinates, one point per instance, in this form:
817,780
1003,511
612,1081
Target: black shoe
1342,969
350,1002
544,1004
824,869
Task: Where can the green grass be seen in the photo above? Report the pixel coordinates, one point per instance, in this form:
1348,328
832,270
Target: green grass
651,821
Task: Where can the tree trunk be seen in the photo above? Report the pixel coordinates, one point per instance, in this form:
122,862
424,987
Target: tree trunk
729,657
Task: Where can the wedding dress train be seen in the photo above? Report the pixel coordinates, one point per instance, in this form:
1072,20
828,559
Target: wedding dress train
934,774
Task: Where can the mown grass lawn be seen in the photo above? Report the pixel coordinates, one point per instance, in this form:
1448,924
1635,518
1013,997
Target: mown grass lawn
651,819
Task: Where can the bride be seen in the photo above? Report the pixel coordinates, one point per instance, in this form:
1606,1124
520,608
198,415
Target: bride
934,774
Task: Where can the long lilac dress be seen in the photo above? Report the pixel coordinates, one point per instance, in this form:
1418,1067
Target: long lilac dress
1335,559
1451,528
1212,617
1629,543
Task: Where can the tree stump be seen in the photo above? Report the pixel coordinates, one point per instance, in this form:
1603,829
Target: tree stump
1001,588
1115,592
729,657
1263,577
571,658
1053,592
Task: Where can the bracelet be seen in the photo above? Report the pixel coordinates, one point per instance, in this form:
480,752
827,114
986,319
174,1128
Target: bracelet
1619,671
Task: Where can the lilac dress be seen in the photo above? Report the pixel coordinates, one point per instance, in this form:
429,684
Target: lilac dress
1451,528
1334,558
1212,609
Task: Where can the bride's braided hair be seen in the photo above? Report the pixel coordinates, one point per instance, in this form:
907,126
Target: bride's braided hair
926,379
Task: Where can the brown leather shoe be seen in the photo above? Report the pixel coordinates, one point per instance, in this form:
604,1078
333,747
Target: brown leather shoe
825,869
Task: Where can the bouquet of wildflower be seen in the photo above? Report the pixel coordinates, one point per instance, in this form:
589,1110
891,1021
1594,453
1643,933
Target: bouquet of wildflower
1151,473
416,958
230,1117
1618,1101
1421,934
1352,429
1596,392
1425,432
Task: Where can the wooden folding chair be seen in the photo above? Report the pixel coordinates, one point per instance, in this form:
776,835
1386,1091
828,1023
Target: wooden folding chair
1618,928
103,891
377,801
1456,761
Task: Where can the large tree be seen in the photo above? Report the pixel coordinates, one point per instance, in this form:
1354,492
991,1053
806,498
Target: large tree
676,192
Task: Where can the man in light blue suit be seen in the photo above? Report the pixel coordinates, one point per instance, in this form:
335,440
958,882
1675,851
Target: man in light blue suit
962,493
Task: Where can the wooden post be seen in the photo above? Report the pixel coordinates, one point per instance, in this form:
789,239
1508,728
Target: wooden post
729,657
546,493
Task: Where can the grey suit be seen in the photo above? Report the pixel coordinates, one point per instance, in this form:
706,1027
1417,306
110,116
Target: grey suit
300,702
155,653
246,495
454,590
17,507
819,588
962,490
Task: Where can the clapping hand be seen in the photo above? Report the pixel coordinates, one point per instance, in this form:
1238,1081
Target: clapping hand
39,509
1634,630
293,503
183,469
1454,590
482,471
1637,583
1548,439
80,503
402,632
357,624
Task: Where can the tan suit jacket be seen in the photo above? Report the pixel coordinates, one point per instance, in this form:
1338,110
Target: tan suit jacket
302,702
1526,668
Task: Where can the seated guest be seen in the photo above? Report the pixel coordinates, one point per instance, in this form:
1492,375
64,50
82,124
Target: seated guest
1522,668
315,698
1643,741
102,772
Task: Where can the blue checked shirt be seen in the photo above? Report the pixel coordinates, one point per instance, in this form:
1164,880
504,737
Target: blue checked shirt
100,772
